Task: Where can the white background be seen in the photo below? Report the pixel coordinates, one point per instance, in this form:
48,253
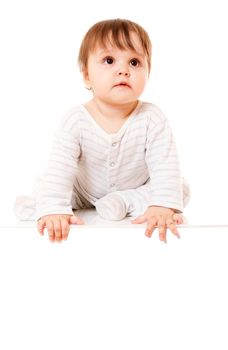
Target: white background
114,289
40,82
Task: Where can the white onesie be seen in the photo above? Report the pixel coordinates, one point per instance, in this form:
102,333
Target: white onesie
140,162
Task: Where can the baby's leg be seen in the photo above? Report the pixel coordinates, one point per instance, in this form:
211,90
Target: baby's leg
78,201
25,206
133,202
117,205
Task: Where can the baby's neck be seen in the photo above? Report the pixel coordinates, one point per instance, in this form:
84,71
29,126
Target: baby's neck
112,111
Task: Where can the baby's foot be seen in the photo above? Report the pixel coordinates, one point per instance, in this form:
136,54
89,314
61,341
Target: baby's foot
111,207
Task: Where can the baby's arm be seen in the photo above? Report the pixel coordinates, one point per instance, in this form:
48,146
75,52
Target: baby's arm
58,225
165,181
164,170
53,201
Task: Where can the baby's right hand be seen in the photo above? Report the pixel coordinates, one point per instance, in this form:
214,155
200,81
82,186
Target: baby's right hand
58,225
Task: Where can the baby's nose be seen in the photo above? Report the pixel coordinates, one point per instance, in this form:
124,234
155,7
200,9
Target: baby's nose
124,71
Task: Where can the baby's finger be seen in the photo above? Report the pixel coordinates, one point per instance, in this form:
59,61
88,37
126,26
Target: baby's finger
177,218
172,227
50,229
76,220
162,229
65,229
150,227
58,230
40,226
139,220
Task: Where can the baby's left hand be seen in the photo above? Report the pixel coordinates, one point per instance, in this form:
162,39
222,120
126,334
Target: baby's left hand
161,217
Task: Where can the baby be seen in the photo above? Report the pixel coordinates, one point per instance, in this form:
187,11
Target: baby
115,152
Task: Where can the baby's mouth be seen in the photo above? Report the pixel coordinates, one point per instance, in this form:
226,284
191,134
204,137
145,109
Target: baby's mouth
122,84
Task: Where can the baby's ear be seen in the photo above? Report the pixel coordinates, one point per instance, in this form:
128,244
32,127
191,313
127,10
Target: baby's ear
85,75
86,80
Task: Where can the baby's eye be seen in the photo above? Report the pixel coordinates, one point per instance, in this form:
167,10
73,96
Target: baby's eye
108,60
134,62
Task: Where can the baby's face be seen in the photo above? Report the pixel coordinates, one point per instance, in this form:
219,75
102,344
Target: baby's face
117,76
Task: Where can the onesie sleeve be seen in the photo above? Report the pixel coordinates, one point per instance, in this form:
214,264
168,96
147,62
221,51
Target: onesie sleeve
163,165
56,189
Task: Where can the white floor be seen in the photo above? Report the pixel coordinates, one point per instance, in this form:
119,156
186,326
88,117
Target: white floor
110,287
92,219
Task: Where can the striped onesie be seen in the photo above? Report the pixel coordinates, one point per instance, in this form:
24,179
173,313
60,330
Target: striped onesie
139,162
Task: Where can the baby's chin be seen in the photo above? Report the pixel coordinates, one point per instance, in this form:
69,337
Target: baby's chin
121,100
123,103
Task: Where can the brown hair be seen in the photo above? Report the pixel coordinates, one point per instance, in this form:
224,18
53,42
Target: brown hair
99,34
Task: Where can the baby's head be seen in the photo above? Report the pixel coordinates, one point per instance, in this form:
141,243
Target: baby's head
114,32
